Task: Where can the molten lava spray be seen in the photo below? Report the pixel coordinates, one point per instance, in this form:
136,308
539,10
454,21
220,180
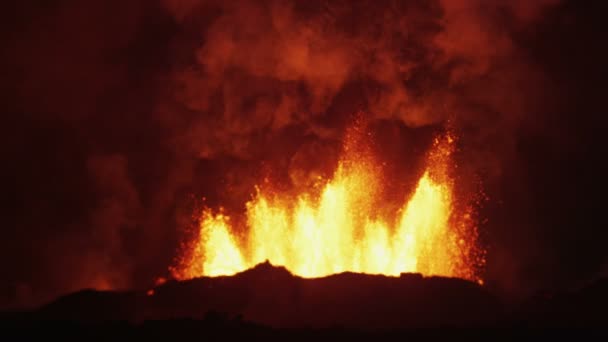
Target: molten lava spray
343,225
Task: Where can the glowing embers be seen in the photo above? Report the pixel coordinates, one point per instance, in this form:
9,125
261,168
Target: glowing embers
340,229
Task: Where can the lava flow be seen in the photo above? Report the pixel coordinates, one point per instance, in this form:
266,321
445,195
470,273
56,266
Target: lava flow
344,225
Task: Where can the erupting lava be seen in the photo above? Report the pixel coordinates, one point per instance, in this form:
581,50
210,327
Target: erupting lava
344,227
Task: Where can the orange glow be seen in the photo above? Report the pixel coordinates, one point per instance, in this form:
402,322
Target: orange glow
344,226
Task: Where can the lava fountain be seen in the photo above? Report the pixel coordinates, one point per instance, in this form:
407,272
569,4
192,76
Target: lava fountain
342,225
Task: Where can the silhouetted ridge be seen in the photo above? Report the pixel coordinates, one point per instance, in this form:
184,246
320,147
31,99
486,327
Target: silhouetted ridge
272,296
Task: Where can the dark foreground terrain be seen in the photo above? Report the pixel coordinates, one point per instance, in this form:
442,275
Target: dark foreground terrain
268,302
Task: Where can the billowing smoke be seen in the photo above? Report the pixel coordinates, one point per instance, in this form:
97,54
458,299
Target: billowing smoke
250,71
264,66
123,115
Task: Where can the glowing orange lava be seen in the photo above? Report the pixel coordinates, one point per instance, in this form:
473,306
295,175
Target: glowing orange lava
342,228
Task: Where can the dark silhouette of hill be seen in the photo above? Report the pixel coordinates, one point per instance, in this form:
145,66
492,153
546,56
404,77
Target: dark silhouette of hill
269,301
272,296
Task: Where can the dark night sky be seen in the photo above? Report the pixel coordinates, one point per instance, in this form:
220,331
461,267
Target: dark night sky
117,114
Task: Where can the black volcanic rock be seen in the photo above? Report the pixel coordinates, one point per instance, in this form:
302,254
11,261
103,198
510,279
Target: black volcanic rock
272,296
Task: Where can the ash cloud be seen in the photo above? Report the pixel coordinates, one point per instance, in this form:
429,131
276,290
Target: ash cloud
121,115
